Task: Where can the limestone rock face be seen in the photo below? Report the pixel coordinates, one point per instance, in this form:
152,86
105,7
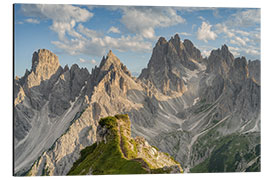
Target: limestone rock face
47,99
220,60
192,50
254,71
44,65
169,63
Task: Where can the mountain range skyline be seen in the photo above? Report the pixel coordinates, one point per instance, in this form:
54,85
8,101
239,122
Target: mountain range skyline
177,103
96,29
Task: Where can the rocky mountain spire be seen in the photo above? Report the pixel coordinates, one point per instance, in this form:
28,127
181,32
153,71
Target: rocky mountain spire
220,60
192,50
44,65
169,62
110,60
110,63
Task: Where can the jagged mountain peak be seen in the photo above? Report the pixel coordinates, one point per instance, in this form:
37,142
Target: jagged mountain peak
111,63
223,52
110,60
175,40
44,65
224,48
44,58
220,60
192,50
111,74
161,41
169,62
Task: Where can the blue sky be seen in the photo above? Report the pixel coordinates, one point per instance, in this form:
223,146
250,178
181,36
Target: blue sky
83,34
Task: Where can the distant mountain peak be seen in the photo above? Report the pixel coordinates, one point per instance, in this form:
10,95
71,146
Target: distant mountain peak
109,60
224,47
175,40
220,60
168,63
44,58
44,65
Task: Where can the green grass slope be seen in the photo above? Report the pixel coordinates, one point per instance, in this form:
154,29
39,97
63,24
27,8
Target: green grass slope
115,154
232,153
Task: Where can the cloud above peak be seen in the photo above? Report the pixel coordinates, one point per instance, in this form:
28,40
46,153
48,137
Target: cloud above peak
143,20
135,28
92,61
205,33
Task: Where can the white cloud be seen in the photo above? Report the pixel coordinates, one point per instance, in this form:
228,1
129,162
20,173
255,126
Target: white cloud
256,37
245,18
92,43
193,9
206,53
32,21
64,17
206,50
234,51
143,20
205,33
82,60
242,33
74,38
252,52
201,18
239,41
245,50
184,34
246,41
114,30
221,28
89,33
92,61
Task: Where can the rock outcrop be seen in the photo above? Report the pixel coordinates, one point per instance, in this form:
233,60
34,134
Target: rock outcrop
119,153
44,65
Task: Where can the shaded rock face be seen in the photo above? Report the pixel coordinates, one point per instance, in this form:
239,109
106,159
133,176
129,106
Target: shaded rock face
47,99
254,71
192,50
233,85
220,60
168,64
180,103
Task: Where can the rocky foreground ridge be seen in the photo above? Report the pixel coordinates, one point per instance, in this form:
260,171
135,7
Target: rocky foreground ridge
205,112
116,152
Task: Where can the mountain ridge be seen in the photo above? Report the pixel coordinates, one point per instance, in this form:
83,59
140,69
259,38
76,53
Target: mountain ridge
173,115
116,131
